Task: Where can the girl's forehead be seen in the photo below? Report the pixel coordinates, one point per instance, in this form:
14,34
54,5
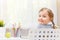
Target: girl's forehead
44,12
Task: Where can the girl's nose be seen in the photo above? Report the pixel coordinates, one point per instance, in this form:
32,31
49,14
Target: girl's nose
39,19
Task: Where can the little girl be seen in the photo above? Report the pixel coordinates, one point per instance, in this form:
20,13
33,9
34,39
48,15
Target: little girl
46,18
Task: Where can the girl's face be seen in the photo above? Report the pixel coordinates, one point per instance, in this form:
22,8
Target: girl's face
43,17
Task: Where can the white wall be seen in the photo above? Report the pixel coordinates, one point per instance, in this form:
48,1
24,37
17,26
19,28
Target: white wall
24,11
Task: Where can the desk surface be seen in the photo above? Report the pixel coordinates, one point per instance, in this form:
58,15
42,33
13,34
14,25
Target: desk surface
12,38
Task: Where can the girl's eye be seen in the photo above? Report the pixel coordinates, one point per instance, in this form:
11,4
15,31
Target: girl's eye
39,15
44,16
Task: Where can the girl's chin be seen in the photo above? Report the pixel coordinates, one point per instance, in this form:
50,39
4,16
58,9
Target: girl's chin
42,23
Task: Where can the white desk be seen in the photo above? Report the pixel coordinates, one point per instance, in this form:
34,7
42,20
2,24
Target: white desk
35,34
12,38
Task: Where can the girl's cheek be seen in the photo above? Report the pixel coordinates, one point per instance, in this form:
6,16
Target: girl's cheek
44,18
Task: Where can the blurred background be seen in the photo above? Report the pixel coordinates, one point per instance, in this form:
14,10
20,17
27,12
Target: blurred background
26,11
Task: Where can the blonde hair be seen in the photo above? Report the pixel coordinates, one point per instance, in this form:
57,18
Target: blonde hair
50,14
